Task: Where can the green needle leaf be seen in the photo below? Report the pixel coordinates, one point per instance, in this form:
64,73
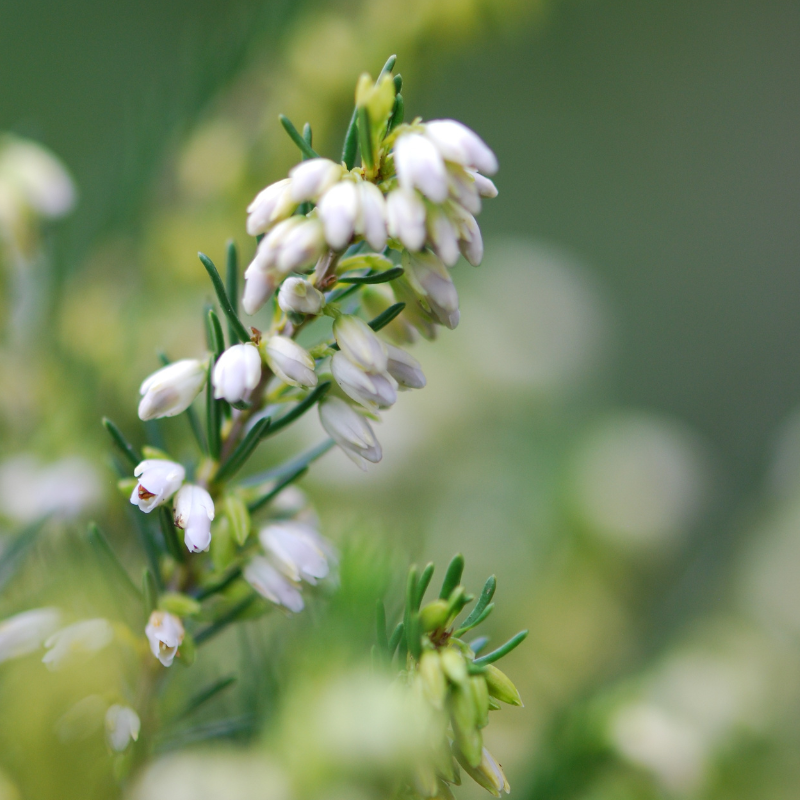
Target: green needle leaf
14,554
410,610
501,651
232,287
375,277
383,319
388,66
213,730
305,147
303,460
486,595
279,487
300,408
380,628
477,621
351,142
398,114
243,451
394,639
121,442
365,138
217,339
218,586
307,135
213,416
226,619
204,695
149,592
108,558
170,533
478,644
453,576
424,582
224,302
398,83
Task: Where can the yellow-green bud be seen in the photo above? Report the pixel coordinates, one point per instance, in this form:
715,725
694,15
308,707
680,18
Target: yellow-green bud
454,665
434,615
486,772
480,695
433,680
378,98
238,517
180,605
463,715
501,687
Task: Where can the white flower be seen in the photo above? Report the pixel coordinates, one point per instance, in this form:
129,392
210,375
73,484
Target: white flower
159,479
271,205
267,581
464,188
443,236
74,641
237,372
405,369
294,244
405,213
456,142
431,280
23,633
484,185
371,390
172,389
359,343
311,179
470,239
290,362
371,221
259,285
338,209
350,431
122,727
194,511
493,772
295,548
165,633
419,166
298,295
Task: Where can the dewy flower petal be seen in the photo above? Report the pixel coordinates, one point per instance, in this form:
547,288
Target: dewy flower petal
338,209
194,512
80,639
270,206
405,369
294,547
159,479
311,179
457,143
430,278
299,296
419,166
237,372
165,634
371,222
350,431
258,288
371,390
122,727
360,343
269,583
405,213
172,389
290,362
24,633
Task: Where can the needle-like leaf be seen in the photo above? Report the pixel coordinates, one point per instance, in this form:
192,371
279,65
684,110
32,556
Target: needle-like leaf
204,695
232,287
276,490
16,552
383,319
291,466
243,451
476,614
224,302
290,416
168,530
424,582
374,277
304,146
452,577
351,142
226,619
108,558
501,651
121,442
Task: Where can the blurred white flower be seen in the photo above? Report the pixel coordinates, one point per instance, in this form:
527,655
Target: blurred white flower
82,720
420,166
371,390
259,284
292,245
350,431
237,372
338,209
443,236
371,219
360,343
299,296
295,548
77,641
269,583
159,479
404,368
457,143
290,362
311,179
430,279
405,214
171,390
122,727
24,633
271,205
194,512
164,632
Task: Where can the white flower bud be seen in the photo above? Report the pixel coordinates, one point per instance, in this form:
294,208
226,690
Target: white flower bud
298,295
194,512
294,547
290,362
259,285
338,209
172,389
301,246
311,179
269,583
485,187
430,279
405,369
271,205
371,390
419,166
78,640
464,187
405,213
371,222
159,479
266,255
25,632
360,343
456,142
443,236
165,633
350,431
237,372
122,727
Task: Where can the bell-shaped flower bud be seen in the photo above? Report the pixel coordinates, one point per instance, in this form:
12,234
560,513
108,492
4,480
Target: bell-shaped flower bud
259,285
443,236
270,583
24,633
75,641
431,280
122,727
434,683
289,361
464,187
470,238
377,97
350,431
360,343
501,687
194,512
271,205
414,314
371,390
371,221
165,634
295,548
172,389
485,187
456,142
487,773
405,214
299,296
301,246
237,372
404,368
311,179
338,209
420,166
159,479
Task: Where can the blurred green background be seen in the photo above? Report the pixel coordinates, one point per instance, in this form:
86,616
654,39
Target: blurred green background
610,430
